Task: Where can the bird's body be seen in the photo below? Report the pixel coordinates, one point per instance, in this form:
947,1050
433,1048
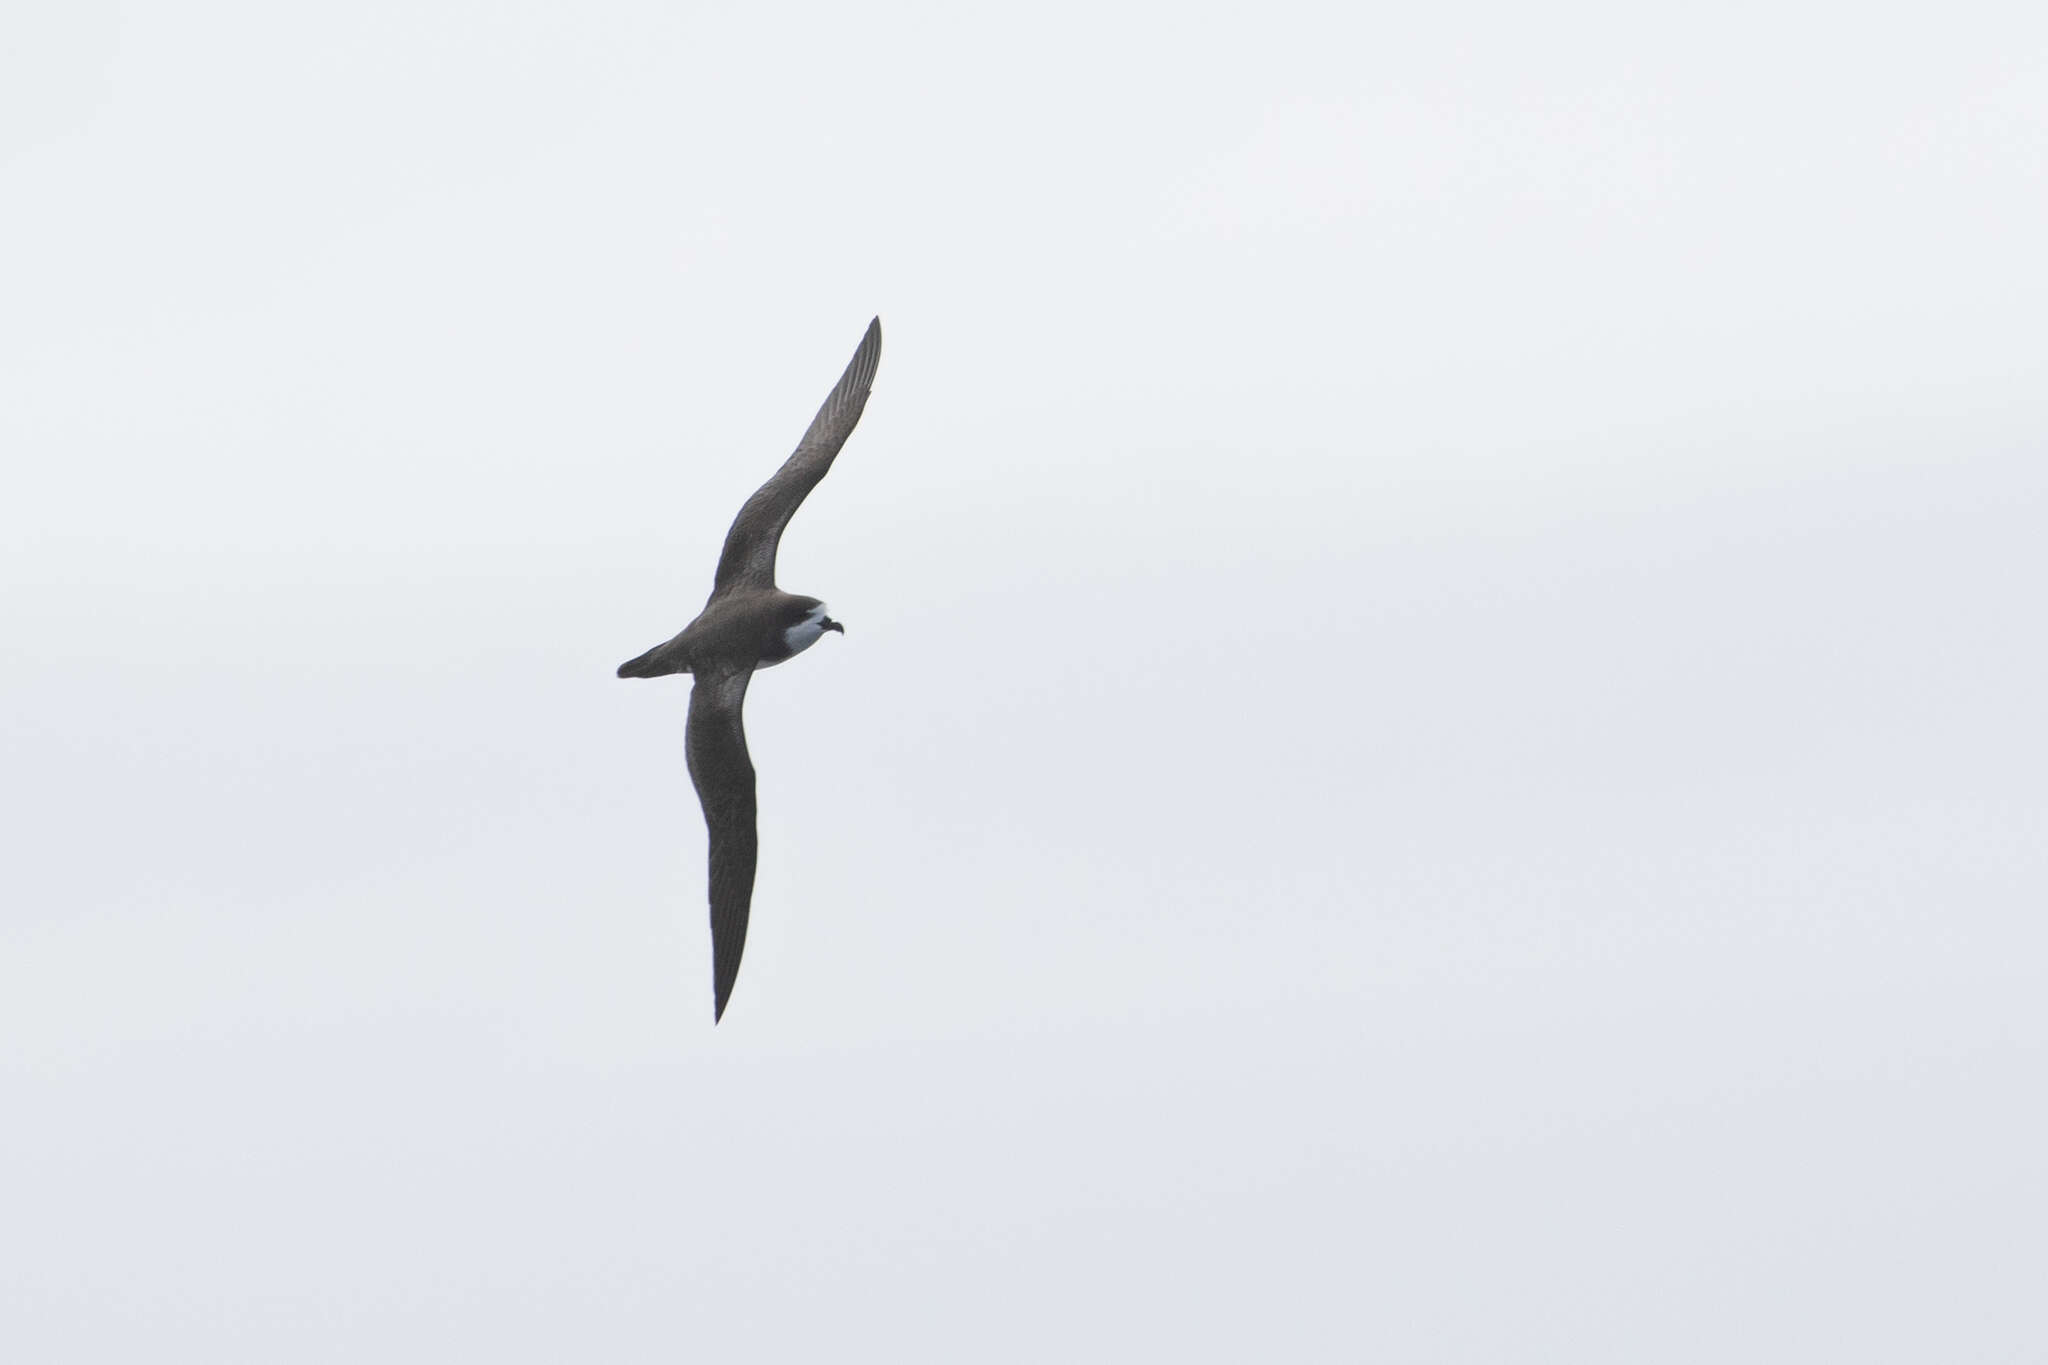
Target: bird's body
770,624
750,624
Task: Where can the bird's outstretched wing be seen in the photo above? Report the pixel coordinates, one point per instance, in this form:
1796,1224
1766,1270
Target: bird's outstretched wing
716,745
748,560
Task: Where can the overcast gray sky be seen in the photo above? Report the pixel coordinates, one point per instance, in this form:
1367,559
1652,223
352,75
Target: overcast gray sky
1438,754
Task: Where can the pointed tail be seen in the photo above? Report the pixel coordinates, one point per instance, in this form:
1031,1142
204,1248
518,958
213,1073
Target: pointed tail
657,662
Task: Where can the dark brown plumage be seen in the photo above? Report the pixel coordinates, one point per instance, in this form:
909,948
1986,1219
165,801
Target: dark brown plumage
748,623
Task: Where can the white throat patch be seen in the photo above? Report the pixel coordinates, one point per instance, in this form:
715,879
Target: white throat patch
803,634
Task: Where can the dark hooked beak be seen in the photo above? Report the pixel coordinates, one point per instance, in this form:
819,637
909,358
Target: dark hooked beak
831,624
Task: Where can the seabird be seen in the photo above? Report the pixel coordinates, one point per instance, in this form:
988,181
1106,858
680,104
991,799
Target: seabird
749,623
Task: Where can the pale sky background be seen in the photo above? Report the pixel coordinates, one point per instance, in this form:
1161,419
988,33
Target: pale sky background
1438,757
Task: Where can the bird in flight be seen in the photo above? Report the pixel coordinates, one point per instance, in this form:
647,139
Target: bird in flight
749,623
